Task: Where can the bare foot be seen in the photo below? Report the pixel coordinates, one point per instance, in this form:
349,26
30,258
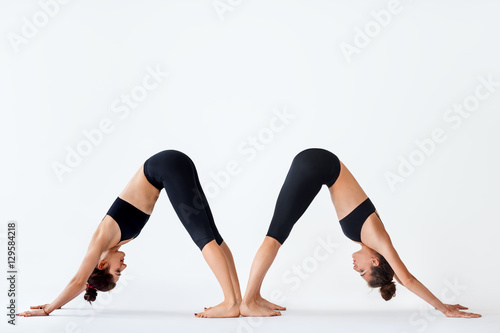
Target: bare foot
223,310
269,305
210,307
238,301
254,309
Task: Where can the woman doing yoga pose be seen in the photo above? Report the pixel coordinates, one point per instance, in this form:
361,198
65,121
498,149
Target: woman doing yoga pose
377,262
104,263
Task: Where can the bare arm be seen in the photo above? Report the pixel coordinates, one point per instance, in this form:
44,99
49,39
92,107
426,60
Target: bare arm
397,279
79,282
378,239
98,244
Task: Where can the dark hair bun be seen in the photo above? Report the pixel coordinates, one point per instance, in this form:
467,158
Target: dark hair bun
388,291
101,280
90,295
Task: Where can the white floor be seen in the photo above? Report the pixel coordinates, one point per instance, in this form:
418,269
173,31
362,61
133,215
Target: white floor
139,318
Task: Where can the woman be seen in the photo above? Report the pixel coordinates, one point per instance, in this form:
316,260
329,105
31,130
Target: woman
104,263
377,262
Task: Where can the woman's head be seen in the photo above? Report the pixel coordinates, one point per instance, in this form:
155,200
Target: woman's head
375,270
106,274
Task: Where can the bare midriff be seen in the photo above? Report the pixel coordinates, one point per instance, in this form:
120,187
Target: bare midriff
140,193
346,193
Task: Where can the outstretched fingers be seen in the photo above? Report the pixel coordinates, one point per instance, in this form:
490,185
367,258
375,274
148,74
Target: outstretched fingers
468,315
464,314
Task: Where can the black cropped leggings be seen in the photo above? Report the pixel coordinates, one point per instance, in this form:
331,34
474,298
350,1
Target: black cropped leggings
174,171
311,169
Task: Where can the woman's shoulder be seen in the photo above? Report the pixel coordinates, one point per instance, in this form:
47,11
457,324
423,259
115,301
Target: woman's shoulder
373,233
107,234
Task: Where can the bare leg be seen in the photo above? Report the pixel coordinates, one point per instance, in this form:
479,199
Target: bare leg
309,171
261,263
232,271
217,261
261,301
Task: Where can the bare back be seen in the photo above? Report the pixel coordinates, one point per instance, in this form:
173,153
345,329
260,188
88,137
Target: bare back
346,193
140,193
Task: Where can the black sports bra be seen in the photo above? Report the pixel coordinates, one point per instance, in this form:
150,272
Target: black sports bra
353,222
130,219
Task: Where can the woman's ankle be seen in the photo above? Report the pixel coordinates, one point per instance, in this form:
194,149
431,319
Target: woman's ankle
249,300
231,302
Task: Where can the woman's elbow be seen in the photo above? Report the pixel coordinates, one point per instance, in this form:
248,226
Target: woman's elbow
408,280
78,283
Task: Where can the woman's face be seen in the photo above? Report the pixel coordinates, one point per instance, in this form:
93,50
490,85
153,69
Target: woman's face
363,260
115,261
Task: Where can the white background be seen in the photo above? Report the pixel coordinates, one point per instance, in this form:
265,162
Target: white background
229,72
